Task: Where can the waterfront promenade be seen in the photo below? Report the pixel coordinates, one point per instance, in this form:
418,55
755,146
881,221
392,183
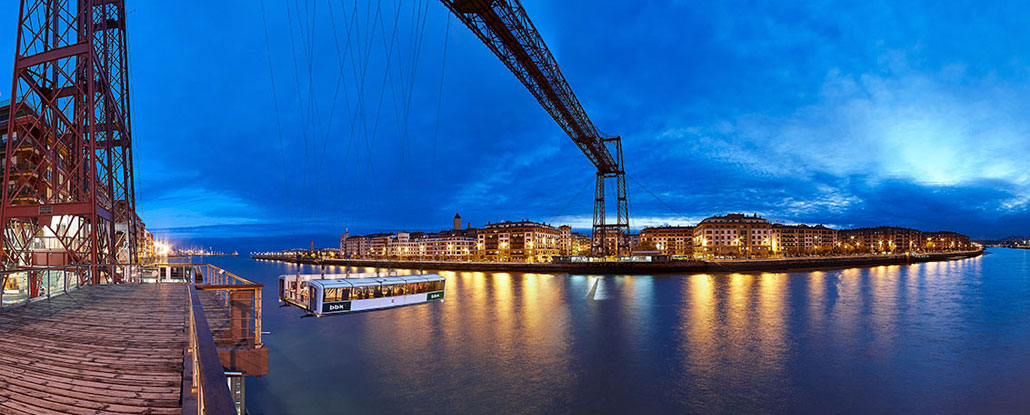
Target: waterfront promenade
177,338
626,267
98,349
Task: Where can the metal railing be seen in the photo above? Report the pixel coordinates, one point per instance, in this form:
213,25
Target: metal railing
22,286
240,297
204,377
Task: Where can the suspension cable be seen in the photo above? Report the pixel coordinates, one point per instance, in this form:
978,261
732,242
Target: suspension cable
275,101
656,197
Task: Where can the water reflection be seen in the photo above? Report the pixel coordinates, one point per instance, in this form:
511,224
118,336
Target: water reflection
884,339
700,338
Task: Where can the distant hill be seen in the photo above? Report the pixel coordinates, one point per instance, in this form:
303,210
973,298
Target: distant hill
1007,241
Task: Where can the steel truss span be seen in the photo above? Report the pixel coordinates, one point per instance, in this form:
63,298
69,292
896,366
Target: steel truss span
69,194
505,28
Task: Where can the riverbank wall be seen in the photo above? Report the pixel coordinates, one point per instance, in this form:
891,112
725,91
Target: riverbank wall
612,267
836,262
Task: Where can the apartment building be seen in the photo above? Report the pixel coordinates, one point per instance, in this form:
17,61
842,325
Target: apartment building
880,239
803,240
522,241
735,235
668,240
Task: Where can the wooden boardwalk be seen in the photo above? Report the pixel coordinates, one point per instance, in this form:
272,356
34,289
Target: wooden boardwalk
219,322
99,349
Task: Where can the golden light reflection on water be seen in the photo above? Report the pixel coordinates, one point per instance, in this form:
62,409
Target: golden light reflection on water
507,325
737,298
503,314
636,302
724,315
884,286
816,299
710,332
700,325
542,312
455,283
737,318
845,311
541,348
770,327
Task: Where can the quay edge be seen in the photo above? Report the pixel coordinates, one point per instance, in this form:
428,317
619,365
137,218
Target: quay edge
675,266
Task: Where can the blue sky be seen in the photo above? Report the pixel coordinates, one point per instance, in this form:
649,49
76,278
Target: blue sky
903,113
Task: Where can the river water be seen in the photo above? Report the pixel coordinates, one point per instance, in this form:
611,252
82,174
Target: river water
945,337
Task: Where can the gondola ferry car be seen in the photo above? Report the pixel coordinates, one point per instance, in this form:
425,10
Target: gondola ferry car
293,288
331,295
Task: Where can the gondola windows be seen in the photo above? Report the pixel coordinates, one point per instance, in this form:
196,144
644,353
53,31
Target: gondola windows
336,294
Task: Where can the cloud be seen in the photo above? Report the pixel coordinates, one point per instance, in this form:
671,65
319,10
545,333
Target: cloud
924,149
910,127
206,207
845,113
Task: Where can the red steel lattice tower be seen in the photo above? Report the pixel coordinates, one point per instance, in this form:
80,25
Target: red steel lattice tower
68,198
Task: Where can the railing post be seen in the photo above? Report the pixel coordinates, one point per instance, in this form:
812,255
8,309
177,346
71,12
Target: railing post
257,322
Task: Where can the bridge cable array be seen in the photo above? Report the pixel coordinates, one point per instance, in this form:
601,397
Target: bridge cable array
439,100
275,102
374,40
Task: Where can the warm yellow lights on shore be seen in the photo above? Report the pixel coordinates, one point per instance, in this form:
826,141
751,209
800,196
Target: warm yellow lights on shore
162,248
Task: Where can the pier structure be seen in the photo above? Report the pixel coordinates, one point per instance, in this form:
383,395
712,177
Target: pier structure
173,338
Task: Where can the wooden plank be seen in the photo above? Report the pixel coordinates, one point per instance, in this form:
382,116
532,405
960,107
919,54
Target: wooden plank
100,349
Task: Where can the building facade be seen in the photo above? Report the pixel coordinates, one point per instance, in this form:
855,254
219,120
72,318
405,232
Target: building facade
668,240
944,241
735,235
447,247
572,243
359,246
880,240
415,246
718,237
803,240
521,241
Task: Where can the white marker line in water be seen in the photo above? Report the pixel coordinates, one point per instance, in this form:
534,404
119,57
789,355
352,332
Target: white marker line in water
602,290
597,290
593,289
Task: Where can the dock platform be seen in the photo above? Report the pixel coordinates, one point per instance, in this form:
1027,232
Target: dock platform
98,349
